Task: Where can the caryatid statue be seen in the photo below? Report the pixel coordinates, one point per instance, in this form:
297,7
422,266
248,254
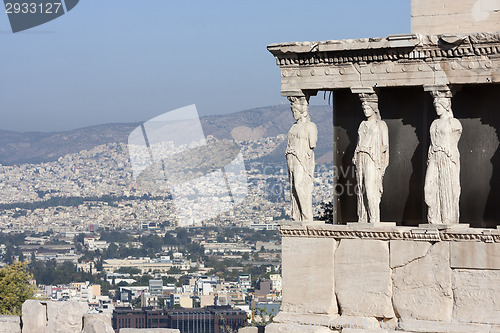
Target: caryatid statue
371,158
442,179
302,139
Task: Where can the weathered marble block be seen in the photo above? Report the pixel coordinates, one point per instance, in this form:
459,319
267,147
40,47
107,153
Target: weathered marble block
10,324
308,275
363,278
34,316
388,279
65,317
477,296
403,252
434,326
294,328
475,255
149,330
248,330
358,330
422,287
97,323
444,16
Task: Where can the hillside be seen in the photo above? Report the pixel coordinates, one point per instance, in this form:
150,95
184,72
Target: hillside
249,125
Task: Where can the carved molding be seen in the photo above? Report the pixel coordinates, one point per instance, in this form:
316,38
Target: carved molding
337,58
409,60
384,49
397,233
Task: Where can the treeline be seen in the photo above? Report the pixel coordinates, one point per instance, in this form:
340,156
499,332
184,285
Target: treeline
12,250
222,269
12,238
51,273
77,201
151,244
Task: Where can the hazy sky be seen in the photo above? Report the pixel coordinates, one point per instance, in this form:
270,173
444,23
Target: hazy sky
110,61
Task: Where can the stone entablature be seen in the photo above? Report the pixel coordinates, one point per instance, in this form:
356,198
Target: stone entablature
320,230
397,60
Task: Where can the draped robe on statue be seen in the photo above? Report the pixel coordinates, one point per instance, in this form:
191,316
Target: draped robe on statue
371,158
442,180
302,139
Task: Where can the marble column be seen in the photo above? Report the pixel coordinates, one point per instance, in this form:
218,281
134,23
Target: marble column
442,179
371,157
302,139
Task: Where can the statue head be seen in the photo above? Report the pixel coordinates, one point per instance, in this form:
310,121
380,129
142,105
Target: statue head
442,102
369,103
299,106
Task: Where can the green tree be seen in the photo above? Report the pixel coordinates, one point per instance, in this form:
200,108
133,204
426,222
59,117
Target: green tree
79,239
182,236
50,272
129,270
152,243
264,317
9,255
110,252
15,288
174,270
326,213
169,280
115,236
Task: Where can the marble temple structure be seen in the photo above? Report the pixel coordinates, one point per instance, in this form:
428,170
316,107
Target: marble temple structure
426,272
404,69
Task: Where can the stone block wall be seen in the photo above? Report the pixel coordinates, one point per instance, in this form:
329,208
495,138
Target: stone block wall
56,317
149,330
381,279
454,16
10,324
64,317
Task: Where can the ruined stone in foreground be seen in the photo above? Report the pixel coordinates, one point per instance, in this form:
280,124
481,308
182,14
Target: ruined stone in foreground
149,330
10,324
61,317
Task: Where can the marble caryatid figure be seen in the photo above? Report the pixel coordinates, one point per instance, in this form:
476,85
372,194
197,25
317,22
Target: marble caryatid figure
302,139
371,158
442,180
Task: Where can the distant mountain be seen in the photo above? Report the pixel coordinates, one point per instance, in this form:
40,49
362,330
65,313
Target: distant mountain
249,125
37,147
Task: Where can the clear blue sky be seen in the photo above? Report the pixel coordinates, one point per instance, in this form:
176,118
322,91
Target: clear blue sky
111,61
